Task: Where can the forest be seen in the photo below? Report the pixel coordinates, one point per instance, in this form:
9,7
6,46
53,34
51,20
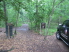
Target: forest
34,12
31,25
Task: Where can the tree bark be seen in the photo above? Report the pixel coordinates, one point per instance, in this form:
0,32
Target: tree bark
50,18
17,19
36,14
6,19
16,23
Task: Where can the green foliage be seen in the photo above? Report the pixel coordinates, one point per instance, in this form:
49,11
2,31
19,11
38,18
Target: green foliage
1,15
35,12
12,18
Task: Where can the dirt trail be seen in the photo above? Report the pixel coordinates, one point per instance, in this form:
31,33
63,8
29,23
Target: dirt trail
27,41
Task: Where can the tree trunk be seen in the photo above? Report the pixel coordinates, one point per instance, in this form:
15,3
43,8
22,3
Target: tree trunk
17,9
59,20
16,23
50,18
36,13
6,19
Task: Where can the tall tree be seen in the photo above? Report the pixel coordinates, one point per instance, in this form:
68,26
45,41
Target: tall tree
50,18
5,15
16,5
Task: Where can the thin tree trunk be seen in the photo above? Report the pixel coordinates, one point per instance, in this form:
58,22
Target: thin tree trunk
6,19
50,18
58,20
36,13
16,24
17,20
36,7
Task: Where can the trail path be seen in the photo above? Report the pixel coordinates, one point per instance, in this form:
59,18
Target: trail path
29,41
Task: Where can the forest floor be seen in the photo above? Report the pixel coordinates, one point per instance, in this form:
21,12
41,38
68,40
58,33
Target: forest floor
29,41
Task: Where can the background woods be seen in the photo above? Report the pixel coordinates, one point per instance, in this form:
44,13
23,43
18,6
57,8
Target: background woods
34,12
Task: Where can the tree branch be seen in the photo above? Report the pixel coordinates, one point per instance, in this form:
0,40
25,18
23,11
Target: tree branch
60,3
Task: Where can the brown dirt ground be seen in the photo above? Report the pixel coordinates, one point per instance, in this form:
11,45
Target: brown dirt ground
29,41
